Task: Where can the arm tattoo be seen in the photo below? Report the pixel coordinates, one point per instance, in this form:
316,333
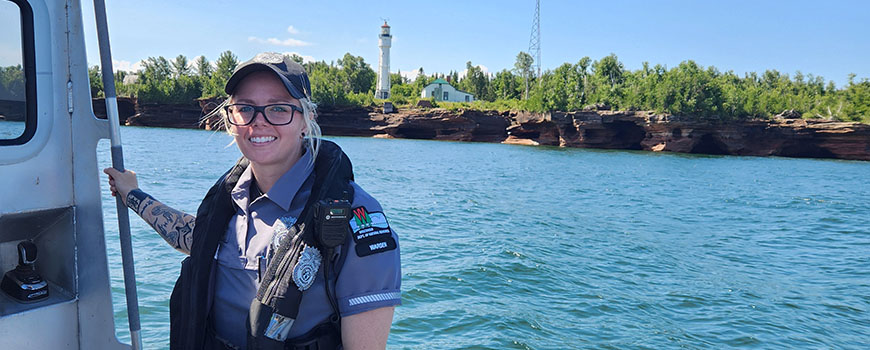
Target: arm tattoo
174,226
135,198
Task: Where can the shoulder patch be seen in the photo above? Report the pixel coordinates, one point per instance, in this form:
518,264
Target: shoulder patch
371,232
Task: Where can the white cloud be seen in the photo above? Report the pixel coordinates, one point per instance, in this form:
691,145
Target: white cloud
409,74
305,58
126,65
292,30
275,41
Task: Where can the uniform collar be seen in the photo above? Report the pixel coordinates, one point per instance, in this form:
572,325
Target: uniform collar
241,191
285,188
283,191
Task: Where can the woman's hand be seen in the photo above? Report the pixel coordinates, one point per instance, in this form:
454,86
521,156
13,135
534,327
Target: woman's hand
121,183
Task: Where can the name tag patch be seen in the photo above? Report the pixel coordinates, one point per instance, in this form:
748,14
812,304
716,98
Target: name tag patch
371,232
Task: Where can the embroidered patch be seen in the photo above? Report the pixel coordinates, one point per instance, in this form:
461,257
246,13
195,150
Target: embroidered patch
378,245
367,225
371,232
281,230
306,268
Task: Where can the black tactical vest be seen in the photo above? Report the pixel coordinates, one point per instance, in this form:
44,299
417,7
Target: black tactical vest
189,305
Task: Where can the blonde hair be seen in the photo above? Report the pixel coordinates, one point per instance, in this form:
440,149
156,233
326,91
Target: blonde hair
309,115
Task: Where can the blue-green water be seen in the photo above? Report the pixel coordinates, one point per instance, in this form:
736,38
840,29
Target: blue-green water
513,247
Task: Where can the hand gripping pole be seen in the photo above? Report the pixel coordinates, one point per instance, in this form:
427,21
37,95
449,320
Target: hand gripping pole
118,164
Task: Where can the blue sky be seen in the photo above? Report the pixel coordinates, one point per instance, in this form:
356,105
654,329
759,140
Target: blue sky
827,38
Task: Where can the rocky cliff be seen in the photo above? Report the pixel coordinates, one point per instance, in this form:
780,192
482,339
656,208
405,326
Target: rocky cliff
427,124
646,131
587,129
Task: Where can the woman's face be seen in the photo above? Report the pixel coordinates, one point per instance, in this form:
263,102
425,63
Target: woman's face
264,144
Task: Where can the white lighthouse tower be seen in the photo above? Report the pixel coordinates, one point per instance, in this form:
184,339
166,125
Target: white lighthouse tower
384,42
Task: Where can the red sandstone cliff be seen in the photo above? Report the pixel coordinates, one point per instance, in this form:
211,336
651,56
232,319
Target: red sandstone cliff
645,131
587,129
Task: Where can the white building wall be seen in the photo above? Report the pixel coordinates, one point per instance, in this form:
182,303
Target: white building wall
453,95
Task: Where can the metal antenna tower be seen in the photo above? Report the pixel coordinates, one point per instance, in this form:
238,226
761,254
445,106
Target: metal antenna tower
535,41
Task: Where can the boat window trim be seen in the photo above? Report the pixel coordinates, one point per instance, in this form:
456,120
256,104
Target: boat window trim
29,66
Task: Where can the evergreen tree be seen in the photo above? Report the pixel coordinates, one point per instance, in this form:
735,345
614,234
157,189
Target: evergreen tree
224,67
203,67
180,66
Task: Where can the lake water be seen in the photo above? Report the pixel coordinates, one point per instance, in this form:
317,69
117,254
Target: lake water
516,247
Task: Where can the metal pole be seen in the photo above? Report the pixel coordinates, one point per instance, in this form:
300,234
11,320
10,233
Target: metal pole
118,164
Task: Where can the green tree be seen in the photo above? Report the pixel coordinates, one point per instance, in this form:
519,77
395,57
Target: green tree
506,86
12,83
562,88
154,83
158,84
96,80
420,82
607,79
475,82
327,84
689,89
180,66
396,79
523,67
360,77
203,67
296,58
583,67
224,67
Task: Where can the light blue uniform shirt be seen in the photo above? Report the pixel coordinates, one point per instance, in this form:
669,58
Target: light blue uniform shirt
364,282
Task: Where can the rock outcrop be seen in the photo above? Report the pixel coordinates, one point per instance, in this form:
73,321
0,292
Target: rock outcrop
645,131
598,128
12,110
126,108
428,124
167,115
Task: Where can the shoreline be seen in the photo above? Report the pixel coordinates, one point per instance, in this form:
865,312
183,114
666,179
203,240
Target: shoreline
630,130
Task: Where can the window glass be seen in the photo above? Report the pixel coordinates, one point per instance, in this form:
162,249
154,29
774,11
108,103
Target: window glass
13,84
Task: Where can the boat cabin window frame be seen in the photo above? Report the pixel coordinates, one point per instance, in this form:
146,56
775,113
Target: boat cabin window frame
29,67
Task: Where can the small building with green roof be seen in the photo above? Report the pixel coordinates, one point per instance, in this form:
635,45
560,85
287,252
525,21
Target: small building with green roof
441,90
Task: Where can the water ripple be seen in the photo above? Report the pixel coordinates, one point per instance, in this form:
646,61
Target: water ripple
511,247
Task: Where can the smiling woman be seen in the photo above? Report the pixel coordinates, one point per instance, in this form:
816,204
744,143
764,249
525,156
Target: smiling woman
271,236
272,145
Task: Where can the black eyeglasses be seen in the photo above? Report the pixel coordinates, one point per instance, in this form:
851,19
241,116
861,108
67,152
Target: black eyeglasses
241,114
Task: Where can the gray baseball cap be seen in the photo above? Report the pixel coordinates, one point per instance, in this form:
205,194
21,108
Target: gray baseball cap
291,73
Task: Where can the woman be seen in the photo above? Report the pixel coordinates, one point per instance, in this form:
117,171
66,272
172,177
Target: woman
285,248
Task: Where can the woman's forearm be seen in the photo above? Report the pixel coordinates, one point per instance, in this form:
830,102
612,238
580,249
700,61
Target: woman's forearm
175,226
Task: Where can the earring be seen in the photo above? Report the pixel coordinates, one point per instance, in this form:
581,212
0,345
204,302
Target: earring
302,136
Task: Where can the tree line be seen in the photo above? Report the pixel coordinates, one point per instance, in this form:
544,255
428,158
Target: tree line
689,89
